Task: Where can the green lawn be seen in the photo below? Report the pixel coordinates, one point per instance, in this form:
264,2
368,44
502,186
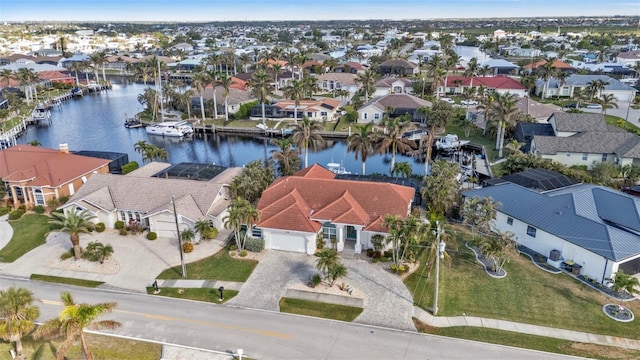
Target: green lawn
199,294
527,295
319,309
533,342
217,267
622,123
103,348
28,233
64,280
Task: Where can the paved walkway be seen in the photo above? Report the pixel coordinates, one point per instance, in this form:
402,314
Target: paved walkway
6,231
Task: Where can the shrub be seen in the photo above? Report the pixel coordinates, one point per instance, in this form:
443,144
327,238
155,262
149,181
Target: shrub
393,268
187,247
254,244
129,167
16,214
152,235
100,227
232,254
233,248
387,254
376,254
374,260
67,254
384,259
123,232
63,199
119,225
39,209
376,241
243,253
319,242
4,210
369,252
316,279
211,234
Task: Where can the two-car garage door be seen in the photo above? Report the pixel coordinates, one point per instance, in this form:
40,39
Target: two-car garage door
288,242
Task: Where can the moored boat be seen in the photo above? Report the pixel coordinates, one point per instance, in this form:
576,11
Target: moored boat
170,128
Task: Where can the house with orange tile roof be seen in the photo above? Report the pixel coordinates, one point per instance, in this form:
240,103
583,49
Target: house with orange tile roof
34,175
297,210
501,84
557,63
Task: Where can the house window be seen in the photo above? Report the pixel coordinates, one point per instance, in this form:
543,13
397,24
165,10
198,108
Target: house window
323,113
376,116
531,231
39,198
309,114
510,220
84,179
256,233
329,231
584,156
604,157
324,84
123,216
364,116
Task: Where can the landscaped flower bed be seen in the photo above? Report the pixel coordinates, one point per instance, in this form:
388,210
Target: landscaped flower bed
618,312
488,264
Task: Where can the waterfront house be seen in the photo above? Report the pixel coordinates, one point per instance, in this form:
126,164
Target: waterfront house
400,67
235,99
593,227
573,82
320,110
393,85
557,64
586,139
502,84
375,109
333,81
146,199
35,175
500,66
296,210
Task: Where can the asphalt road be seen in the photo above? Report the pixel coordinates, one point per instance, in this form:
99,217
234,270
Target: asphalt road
262,334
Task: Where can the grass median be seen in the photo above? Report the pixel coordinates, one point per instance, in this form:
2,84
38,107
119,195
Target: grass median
65,280
319,309
28,233
216,267
198,294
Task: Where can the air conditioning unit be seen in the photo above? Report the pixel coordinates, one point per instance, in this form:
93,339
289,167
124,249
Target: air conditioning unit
555,255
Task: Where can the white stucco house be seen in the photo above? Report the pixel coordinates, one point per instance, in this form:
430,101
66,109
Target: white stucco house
567,87
296,210
147,200
375,109
592,226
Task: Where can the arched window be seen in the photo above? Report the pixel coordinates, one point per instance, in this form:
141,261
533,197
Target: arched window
38,196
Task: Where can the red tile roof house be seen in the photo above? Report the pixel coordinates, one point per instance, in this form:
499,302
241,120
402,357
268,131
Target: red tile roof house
296,209
500,84
34,175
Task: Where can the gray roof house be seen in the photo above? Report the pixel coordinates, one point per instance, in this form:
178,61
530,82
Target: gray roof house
148,200
585,139
374,109
555,88
592,226
500,66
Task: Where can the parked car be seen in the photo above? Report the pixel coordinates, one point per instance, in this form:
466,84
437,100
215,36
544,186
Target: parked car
594,106
571,106
449,100
469,102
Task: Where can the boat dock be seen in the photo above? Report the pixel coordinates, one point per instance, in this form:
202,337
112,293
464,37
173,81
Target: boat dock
10,137
209,129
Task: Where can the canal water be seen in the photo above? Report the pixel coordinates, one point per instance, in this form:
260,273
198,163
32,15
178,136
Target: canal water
96,122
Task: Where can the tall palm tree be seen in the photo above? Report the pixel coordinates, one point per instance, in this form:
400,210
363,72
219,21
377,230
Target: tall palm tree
261,88
17,316
440,189
478,213
72,322
547,72
200,82
496,248
362,142
472,67
402,169
624,282
203,227
295,92
225,82
74,223
366,80
6,75
305,135
286,156
607,101
241,213
391,140
502,110
99,59
328,262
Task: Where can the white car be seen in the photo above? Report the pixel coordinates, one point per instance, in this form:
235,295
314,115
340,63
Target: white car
449,100
594,106
469,102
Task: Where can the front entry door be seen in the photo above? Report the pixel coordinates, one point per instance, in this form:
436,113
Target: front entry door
352,233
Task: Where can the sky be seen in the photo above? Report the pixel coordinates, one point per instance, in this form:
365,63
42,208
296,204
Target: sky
251,10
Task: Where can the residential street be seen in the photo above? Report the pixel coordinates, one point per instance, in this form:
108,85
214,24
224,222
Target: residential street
263,334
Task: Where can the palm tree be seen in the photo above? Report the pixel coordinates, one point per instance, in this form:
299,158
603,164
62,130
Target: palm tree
305,135
99,59
200,82
624,282
295,92
187,235
261,88
472,67
71,323
329,264
241,213
99,251
225,82
608,101
6,75
478,213
203,227
286,156
496,248
367,81
17,316
74,223
362,143
502,110
391,140
440,189
403,169
547,72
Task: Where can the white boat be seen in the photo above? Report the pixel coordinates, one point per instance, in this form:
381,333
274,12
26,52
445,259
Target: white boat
450,142
40,115
170,128
337,169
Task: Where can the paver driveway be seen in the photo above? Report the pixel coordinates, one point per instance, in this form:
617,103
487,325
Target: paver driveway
387,302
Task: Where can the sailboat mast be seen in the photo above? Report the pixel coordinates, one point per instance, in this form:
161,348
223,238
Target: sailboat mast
160,91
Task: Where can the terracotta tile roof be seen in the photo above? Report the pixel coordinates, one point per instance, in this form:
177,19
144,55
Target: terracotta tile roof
328,103
316,171
292,202
491,82
558,64
45,167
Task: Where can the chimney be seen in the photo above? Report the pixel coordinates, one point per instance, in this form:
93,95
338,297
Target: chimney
64,148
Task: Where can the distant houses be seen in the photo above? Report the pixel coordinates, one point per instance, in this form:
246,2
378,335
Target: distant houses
375,109
568,86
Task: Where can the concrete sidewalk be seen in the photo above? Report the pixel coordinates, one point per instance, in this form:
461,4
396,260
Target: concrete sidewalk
571,335
6,231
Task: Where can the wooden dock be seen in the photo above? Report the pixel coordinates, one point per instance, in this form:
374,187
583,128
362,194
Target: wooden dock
209,129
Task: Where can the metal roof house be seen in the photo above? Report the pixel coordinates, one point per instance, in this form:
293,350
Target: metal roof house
593,226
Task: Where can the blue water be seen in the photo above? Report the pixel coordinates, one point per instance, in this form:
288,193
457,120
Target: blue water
95,122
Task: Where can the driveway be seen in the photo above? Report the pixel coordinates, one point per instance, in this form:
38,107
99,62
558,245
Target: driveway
387,302
137,260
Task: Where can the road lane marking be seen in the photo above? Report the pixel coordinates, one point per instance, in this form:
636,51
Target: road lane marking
199,322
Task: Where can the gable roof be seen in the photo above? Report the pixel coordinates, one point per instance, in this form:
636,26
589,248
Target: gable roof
623,144
388,82
557,63
579,122
399,63
587,215
582,81
326,103
342,78
397,101
501,82
500,63
296,202
45,167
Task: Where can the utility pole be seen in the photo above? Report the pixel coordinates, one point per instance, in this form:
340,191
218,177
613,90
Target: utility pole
175,215
440,254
